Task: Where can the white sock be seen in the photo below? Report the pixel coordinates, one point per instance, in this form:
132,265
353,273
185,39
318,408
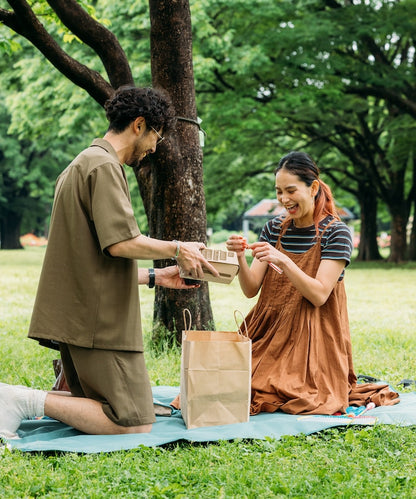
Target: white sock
18,403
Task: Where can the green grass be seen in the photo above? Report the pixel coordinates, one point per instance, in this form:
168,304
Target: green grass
371,462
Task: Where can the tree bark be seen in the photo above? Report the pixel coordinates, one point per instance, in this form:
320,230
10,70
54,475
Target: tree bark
412,202
10,231
398,248
412,241
171,182
368,248
393,194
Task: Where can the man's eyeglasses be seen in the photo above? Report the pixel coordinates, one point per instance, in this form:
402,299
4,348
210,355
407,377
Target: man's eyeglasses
160,138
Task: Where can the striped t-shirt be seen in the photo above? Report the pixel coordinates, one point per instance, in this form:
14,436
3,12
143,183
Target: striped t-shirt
336,242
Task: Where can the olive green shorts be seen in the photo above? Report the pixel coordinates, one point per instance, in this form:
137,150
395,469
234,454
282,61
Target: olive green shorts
117,379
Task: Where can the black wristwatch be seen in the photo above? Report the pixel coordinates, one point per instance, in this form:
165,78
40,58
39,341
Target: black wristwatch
152,277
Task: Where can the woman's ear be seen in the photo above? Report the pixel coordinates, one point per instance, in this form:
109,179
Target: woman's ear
315,187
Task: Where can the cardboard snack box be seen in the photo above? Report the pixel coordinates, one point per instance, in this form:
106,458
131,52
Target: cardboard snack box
224,261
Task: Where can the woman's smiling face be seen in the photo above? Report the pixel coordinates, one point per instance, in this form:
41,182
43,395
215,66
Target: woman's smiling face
297,197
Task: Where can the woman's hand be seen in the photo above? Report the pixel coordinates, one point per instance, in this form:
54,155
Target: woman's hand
238,244
265,252
315,289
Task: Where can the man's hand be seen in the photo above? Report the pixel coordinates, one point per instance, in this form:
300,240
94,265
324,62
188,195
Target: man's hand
192,261
167,277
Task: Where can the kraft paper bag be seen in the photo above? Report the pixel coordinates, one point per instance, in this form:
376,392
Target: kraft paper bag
215,376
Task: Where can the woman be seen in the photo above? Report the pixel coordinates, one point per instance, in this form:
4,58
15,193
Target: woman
302,362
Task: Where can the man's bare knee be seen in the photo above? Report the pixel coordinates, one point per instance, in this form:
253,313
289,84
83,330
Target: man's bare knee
146,428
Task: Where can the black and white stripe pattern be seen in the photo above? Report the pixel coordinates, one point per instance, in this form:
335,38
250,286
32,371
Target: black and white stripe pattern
336,242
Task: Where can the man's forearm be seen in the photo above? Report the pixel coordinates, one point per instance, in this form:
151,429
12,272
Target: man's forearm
144,248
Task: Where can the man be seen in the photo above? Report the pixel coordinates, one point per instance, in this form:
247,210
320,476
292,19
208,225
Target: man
87,299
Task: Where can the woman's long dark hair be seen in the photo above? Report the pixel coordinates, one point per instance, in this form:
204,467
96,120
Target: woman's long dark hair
304,167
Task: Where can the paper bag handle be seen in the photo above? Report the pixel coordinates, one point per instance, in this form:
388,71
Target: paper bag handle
187,320
187,317
239,326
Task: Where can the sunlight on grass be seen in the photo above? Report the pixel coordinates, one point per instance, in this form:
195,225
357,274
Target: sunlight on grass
381,303
360,462
382,311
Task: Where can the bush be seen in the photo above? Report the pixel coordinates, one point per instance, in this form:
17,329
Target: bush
221,236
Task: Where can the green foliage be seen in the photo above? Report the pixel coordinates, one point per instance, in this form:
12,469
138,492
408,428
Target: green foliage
25,172
291,75
8,46
270,77
222,235
44,123
60,111
42,108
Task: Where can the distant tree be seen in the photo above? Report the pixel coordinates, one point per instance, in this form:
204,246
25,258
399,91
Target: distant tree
25,187
282,70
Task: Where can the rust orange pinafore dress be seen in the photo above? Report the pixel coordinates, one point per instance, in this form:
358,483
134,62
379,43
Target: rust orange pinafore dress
301,357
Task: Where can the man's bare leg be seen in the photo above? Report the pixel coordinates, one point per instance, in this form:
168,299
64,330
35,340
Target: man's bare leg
86,415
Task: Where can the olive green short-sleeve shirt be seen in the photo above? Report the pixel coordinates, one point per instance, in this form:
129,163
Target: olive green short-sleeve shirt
85,297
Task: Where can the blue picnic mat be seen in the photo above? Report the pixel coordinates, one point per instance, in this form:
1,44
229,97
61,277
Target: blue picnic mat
50,435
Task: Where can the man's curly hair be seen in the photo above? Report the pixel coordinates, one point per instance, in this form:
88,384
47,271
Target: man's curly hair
128,103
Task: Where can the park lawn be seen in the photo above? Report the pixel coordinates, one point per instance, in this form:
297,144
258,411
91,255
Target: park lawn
371,462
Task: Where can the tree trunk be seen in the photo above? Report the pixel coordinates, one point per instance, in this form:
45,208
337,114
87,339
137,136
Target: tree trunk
398,243
368,248
10,231
412,242
171,182
412,202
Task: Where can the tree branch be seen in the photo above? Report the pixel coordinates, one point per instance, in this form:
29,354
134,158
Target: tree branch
332,4
8,19
98,37
25,23
385,93
221,79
